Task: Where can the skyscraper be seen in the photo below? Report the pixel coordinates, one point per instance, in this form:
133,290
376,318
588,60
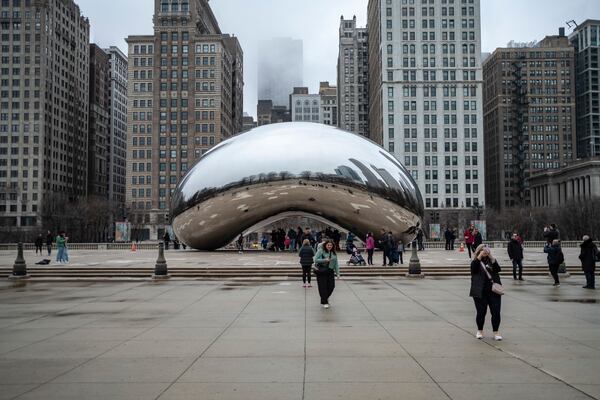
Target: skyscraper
353,78
586,40
117,128
280,69
43,110
186,82
529,117
425,85
99,119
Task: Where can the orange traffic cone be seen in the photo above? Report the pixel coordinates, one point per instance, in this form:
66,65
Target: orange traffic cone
133,247
462,248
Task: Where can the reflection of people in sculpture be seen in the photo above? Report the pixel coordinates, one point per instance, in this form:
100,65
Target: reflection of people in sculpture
326,265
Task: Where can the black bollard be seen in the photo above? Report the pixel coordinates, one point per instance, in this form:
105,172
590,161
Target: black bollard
414,266
160,268
20,266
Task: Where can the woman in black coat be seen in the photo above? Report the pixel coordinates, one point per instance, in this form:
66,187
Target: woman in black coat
306,254
588,255
481,289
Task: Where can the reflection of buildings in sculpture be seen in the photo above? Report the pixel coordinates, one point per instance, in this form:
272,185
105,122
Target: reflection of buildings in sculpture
261,181
344,170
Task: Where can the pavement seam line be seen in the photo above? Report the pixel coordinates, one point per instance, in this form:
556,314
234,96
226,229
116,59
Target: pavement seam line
397,342
210,345
540,305
120,343
305,340
492,345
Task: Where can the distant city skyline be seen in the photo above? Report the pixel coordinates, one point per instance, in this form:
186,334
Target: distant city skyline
317,27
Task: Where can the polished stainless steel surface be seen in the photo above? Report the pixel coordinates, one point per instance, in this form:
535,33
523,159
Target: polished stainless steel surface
294,167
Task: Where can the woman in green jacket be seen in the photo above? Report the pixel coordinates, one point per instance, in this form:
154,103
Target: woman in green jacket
327,265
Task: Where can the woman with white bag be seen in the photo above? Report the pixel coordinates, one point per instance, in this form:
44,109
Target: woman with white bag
486,289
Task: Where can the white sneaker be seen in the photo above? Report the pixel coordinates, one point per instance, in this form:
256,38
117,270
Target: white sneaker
479,335
498,337
325,305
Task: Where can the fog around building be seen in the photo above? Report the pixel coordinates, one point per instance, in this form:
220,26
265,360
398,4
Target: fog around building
316,23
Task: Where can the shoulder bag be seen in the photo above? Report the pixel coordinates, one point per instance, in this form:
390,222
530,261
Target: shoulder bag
496,287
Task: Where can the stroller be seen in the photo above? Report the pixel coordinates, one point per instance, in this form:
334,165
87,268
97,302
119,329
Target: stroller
355,257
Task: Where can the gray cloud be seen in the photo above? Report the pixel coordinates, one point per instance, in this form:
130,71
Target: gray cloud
316,22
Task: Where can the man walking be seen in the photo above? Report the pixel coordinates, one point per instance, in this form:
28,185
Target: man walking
384,244
49,240
515,253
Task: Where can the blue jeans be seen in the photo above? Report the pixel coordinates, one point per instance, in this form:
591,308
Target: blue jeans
517,264
60,254
590,279
292,244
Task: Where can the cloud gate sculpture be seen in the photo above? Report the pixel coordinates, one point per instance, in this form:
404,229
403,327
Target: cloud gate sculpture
302,168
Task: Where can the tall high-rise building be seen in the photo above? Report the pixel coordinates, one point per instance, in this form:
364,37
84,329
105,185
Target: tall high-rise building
280,69
353,78
43,109
586,40
329,108
529,117
425,85
185,96
117,129
99,119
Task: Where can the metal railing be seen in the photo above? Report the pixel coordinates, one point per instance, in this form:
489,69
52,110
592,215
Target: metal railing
153,245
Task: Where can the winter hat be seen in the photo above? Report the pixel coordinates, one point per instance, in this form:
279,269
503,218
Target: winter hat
586,237
479,249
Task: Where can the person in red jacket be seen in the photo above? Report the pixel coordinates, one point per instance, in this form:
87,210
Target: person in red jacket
469,239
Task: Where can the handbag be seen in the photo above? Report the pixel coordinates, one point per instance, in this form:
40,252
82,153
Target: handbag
321,267
496,287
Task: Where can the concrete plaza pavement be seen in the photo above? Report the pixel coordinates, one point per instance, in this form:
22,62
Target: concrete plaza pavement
382,339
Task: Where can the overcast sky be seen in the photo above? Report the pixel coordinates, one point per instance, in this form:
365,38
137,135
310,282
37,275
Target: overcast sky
316,22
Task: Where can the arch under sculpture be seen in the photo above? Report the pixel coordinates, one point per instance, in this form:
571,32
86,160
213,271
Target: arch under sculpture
298,167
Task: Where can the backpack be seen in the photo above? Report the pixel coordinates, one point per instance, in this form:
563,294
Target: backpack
560,257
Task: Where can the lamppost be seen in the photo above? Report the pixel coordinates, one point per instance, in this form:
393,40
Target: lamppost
478,210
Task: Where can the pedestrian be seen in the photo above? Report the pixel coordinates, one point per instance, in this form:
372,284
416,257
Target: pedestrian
60,247
452,238
166,239
448,237
336,236
555,258
485,272
264,241
477,238
370,245
384,246
515,253
469,239
39,242
551,233
420,239
306,254
49,240
400,252
588,256
393,249
240,243
292,236
327,265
